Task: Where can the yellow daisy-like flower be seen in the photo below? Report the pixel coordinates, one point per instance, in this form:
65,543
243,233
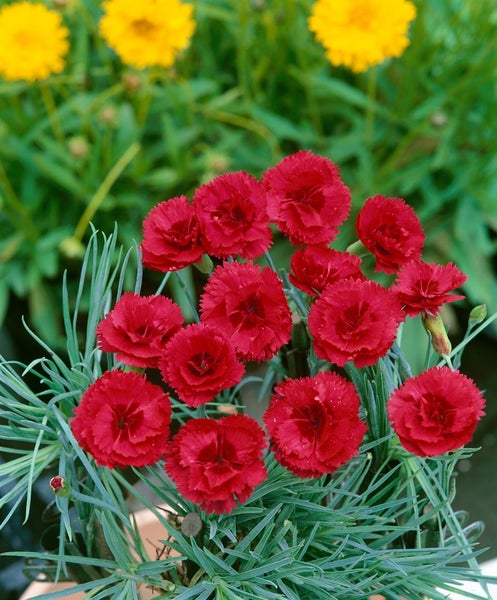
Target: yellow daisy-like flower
147,33
361,33
33,42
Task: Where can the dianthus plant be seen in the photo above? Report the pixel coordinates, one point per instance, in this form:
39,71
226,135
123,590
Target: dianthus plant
269,420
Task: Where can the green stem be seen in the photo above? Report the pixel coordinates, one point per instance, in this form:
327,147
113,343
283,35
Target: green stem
19,216
466,340
103,190
244,123
145,99
51,108
370,106
241,51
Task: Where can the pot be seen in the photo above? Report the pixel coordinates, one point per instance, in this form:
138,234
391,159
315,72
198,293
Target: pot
150,529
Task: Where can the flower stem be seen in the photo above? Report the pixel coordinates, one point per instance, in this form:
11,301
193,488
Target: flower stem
370,106
145,100
467,339
51,108
103,190
19,214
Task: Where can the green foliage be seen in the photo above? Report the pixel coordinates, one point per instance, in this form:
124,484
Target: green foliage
382,523
104,143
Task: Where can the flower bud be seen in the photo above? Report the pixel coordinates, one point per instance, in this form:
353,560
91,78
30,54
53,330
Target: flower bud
78,147
217,163
132,81
439,119
439,339
108,116
258,4
477,315
227,409
358,248
59,487
205,264
191,525
61,4
300,337
71,247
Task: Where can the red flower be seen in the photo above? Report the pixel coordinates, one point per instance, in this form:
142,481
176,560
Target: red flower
217,462
199,362
391,230
171,236
354,320
123,420
425,287
232,213
315,267
138,327
249,306
306,198
314,423
436,412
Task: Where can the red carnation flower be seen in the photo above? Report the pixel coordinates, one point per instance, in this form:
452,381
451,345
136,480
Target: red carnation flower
217,462
354,320
171,236
425,287
138,327
315,267
232,213
199,362
306,198
314,423
436,411
391,230
123,420
249,306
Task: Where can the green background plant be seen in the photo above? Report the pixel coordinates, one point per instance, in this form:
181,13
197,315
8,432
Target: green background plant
104,143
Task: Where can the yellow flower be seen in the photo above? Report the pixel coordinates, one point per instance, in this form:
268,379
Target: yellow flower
33,42
361,33
147,33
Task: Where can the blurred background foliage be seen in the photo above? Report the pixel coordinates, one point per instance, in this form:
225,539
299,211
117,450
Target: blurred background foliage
103,143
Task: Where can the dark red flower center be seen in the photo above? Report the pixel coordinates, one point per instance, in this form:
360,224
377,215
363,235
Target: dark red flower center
352,322
140,333
389,235
202,364
309,420
233,211
432,411
182,234
219,451
249,312
309,195
127,418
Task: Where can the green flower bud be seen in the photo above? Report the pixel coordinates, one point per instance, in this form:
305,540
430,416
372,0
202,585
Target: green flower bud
477,315
78,147
205,264
358,248
108,115
72,248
